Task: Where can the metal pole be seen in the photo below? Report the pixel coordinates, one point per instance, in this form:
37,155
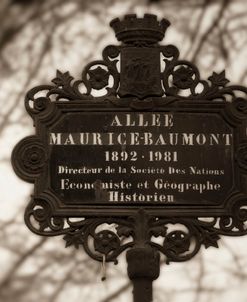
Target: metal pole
143,268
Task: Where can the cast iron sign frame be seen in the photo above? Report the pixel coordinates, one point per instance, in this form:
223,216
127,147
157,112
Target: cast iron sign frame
140,87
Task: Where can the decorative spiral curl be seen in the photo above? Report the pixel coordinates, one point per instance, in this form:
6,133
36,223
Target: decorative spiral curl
28,158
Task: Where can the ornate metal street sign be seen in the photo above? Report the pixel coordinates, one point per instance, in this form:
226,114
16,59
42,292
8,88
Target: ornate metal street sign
160,153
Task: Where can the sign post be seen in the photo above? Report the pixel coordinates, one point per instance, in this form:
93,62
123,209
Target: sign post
159,154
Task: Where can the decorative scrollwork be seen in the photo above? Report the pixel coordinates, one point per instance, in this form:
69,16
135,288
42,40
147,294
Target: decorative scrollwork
39,218
96,75
237,222
181,75
241,156
28,158
241,105
239,108
177,76
182,238
40,104
139,62
181,241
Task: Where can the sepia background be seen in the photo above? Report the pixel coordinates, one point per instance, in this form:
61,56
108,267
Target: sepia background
37,37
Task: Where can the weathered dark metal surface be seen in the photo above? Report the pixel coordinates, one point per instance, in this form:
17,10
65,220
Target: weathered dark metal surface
187,137
106,162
